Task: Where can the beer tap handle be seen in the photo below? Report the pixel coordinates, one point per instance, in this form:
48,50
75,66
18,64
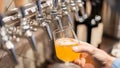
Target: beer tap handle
27,32
38,3
8,43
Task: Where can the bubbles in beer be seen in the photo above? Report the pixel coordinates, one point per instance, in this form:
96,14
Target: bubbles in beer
64,50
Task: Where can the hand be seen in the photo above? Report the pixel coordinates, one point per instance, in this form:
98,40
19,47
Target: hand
98,54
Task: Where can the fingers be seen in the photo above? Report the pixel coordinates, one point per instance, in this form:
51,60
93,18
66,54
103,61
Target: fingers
81,62
84,47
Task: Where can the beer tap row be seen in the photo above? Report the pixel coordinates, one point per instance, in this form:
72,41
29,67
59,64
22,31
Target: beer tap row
23,20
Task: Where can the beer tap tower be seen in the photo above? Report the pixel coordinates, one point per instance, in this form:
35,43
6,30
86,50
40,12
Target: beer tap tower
41,20
24,26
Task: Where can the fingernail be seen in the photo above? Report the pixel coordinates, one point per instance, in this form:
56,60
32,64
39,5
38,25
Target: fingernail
75,48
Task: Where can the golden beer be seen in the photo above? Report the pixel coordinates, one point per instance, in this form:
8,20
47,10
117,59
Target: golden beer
64,50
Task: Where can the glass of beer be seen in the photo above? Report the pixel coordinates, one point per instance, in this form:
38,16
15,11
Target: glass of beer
64,40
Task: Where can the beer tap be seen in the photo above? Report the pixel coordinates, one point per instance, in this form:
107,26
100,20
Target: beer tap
81,5
91,23
25,28
41,20
55,14
75,10
65,12
7,42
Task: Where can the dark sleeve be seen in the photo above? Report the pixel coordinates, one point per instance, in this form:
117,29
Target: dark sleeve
116,63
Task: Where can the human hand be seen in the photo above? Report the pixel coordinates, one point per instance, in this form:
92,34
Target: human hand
96,53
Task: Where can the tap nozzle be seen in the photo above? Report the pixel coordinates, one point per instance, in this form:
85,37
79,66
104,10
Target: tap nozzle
11,48
31,40
46,25
26,30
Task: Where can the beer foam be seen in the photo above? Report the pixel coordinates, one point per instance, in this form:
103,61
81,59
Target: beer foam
66,41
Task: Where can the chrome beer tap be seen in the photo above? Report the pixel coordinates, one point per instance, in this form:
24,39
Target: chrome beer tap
8,43
41,19
25,28
54,14
43,22
65,12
